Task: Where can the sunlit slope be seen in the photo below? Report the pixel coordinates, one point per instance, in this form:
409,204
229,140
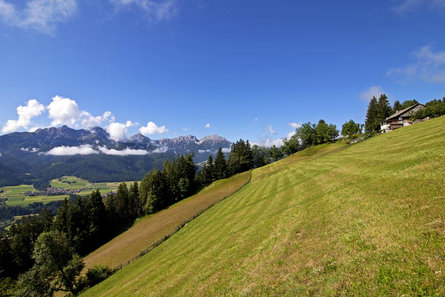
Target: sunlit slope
364,220
153,228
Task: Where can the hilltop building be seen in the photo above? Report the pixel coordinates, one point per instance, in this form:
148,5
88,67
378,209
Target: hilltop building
401,118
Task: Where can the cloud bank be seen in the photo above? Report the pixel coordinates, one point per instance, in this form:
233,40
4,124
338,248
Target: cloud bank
71,150
89,150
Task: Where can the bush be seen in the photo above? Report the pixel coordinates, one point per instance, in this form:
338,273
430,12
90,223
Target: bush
97,274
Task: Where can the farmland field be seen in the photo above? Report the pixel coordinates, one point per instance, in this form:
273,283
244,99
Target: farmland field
333,220
16,194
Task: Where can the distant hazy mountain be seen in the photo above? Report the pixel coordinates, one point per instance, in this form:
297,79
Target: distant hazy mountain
33,157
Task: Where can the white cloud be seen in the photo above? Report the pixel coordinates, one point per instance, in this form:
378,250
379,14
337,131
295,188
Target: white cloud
255,120
152,128
25,114
63,111
270,130
124,152
159,150
88,121
118,131
295,125
268,142
429,66
89,150
208,125
290,134
41,15
30,149
155,11
72,150
226,150
405,6
374,91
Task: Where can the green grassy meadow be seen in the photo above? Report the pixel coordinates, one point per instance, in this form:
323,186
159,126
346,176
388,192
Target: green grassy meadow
152,228
16,194
334,220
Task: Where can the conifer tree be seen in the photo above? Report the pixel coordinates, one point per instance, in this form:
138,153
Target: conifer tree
384,109
397,106
260,156
220,167
372,124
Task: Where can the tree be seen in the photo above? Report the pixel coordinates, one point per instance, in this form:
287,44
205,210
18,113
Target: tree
135,207
408,103
322,132
397,106
433,108
372,124
332,132
186,169
260,156
220,170
121,201
306,134
209,170
384,109
56,267
97,218
21,238
153,191
291,146
350,129
275,153
241,157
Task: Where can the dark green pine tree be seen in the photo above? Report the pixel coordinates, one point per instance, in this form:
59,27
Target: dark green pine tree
372,124
135,206
97,217
220,165
384,109
210,169
397,106
276,153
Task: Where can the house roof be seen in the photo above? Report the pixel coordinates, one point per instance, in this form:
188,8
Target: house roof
399,113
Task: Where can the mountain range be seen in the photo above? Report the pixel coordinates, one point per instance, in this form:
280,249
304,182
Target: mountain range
37,157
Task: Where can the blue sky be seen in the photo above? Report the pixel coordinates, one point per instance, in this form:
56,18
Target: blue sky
240,69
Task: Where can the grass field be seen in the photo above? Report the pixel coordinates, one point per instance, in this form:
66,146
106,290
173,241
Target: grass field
152,228
16,194
362,220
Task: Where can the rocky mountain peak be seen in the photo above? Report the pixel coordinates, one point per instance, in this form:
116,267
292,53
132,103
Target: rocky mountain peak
139,138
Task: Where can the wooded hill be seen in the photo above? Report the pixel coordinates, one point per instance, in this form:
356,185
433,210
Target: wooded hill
334,219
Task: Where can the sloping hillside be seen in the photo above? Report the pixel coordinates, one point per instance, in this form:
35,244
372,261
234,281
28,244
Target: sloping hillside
151,229
368,219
